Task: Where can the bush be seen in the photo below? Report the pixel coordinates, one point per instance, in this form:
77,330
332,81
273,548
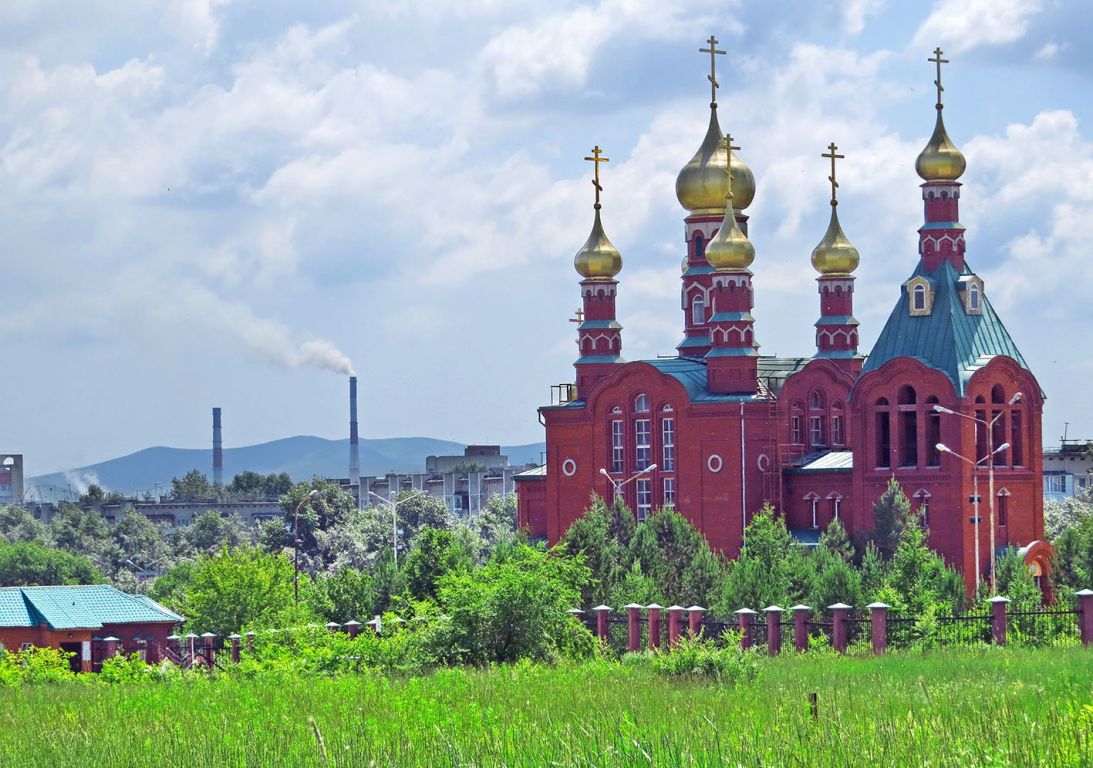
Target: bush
697,658
34,665
125,669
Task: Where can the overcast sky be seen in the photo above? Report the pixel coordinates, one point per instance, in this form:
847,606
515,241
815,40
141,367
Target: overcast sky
218,202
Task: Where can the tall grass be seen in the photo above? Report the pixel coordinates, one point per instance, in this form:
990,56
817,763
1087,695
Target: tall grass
953,708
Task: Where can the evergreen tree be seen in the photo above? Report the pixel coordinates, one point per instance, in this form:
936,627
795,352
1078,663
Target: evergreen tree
891,514
835,541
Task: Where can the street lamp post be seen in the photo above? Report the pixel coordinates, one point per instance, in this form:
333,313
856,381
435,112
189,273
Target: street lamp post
618,484
989,458
394,517
296,545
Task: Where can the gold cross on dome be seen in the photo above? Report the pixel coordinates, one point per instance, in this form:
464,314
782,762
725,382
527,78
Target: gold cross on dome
597,159
834,184
938,61
578,316
729,149
712,77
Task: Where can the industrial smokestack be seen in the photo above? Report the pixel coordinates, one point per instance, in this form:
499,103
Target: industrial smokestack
354,440
218,450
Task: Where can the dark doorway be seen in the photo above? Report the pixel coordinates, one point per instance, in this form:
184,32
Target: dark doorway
74,659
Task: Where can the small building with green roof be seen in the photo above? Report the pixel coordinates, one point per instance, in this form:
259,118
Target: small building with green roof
78,618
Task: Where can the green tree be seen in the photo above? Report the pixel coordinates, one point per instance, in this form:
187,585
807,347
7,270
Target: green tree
193,486
760,577
836,581
891,514
329,506
345,595
239,589
16,524
93,495
140,542
834,540
920,577
210,532
514,607
497,520
79,531
436,554
1062,515
28,563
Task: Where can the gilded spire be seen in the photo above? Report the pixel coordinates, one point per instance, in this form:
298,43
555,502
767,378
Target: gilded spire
702,184
598,259
835,255
940,160
730,247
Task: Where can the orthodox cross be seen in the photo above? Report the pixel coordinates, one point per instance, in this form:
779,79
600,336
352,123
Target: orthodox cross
938,61
578,317
712,77
728,161
596,152
834,184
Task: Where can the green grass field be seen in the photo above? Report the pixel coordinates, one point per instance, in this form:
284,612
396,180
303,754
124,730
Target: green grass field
948,708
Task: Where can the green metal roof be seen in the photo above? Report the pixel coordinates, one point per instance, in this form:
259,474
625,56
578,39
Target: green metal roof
78,607
948,339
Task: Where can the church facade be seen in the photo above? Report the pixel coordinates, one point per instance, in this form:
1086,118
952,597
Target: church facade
721,429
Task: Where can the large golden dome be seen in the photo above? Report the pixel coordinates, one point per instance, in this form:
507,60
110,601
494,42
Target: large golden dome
598,258
940,160
835,255
703,182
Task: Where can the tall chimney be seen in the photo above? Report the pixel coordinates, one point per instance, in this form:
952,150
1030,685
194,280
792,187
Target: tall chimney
218,450
354,440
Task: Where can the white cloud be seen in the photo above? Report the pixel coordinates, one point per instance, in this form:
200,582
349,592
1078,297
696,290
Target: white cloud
855,13
197,18
1049,51
960,25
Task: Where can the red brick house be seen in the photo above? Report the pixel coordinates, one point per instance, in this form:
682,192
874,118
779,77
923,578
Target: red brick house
81,620
720,429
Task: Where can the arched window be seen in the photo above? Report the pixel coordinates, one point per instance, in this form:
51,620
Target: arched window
922,496
933,433
908,426
998,423
641,404
980,430
1003,507
907,395
838,433
882,434
973,298
700,245
796,421
698,310
816,419
919,298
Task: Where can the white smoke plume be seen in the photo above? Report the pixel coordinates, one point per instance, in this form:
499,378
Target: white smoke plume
324,354
82,480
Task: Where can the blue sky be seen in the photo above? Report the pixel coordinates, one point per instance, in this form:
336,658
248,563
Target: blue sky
224,202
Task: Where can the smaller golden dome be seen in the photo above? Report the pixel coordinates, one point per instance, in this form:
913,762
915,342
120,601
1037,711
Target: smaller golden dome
598,258
730,247
703,182
835,255
940,160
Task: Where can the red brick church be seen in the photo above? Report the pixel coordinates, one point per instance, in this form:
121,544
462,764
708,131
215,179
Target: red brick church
720,429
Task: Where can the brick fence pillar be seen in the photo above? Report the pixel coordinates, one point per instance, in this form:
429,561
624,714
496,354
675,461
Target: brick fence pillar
654,625
352,628
675,624
234,640
878,623
694,619
800,626
1085,615
333,626
998,618
840,634
633,628
602,617
774,629
110,647
746,617
208,637
250,641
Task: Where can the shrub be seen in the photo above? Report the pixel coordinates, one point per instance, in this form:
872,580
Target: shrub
34,665
125,669
697,658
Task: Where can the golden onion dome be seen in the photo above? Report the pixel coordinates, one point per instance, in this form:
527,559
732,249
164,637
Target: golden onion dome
940,160
703,182
835,255
598,258
730,247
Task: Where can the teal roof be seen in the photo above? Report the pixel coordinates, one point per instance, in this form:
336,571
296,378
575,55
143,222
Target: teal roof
948,339
78,607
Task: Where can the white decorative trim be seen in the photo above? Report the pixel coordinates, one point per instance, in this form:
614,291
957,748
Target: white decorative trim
763,462
569,467
714,463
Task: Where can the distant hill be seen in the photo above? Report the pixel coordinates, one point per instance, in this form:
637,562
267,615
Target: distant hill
302,457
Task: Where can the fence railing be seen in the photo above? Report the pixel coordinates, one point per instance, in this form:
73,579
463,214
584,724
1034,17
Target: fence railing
637,627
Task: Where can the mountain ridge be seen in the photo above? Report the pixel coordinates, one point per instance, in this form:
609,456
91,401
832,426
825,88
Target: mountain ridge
301,456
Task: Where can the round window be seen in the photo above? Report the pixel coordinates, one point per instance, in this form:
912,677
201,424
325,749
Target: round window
569,467
714,463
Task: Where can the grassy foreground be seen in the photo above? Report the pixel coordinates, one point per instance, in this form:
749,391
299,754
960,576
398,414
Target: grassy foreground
958,708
